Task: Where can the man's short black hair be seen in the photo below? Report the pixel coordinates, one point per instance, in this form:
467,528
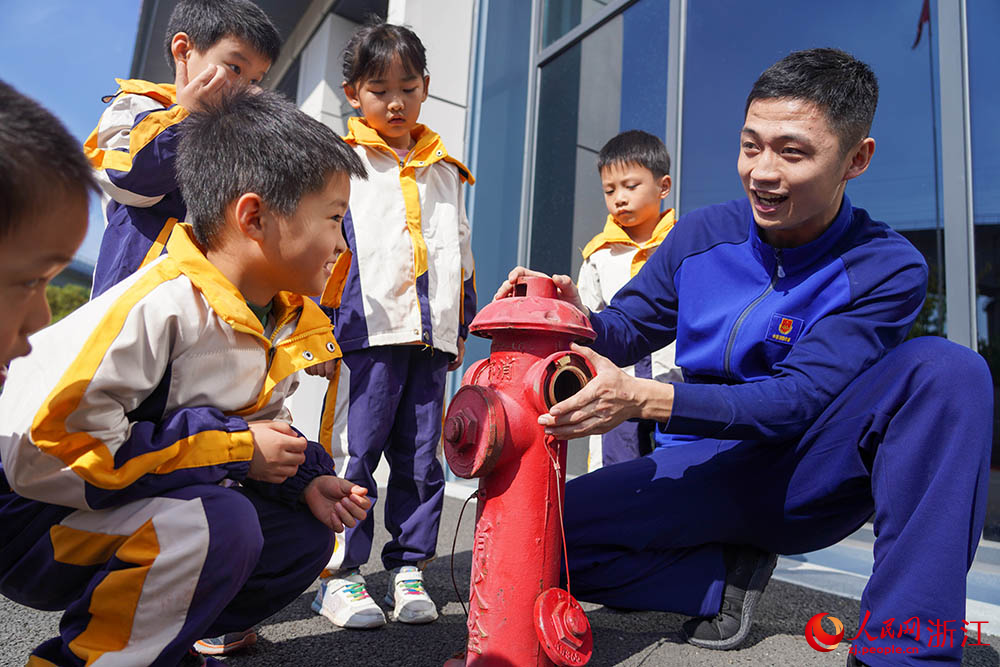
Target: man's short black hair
255,142
39,160
842,86
374,46
636,147
205,22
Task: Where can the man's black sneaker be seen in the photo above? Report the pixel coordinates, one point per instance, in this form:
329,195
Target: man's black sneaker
748,570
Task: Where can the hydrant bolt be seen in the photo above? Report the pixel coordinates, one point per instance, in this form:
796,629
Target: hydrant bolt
461,427
454,429
575,621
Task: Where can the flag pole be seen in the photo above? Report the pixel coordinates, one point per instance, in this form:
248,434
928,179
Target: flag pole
939,230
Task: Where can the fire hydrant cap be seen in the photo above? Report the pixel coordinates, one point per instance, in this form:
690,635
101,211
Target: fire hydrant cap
533,307
562,628
474,431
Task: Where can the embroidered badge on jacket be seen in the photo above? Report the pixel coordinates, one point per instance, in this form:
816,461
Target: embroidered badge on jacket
784,329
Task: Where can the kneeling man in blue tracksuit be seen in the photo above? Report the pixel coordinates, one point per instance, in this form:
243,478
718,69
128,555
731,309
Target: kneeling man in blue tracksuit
803,412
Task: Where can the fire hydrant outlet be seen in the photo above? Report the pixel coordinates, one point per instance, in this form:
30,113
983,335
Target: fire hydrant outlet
563,374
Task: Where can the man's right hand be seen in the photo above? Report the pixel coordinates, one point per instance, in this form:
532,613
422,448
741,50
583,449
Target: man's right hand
564,285
277,451
207,86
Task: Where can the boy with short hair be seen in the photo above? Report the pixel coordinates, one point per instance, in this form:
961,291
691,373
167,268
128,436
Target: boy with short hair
210,45
635,172
156,490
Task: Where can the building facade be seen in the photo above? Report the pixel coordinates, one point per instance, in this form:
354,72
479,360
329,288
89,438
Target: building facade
526,91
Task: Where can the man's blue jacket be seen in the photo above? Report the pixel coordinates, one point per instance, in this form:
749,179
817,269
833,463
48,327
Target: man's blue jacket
766,337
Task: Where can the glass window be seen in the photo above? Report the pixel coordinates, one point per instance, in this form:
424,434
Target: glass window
578,106
561,16
497,154
612,80
902,186
644,67
983,19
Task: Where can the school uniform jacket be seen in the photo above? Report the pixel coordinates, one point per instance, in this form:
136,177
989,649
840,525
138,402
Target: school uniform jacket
767,337
150,387
411,277
132,150
610,260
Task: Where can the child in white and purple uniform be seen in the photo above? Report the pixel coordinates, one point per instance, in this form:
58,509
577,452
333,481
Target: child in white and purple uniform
634,168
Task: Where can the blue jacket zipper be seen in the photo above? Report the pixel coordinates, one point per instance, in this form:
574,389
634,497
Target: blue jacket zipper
779,272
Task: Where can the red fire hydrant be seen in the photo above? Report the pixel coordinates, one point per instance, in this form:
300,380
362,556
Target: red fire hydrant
517,617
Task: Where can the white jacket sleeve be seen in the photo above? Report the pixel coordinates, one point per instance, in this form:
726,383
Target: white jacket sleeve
468,305
589,286
114,133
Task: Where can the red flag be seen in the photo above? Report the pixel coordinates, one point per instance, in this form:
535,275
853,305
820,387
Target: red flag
925,17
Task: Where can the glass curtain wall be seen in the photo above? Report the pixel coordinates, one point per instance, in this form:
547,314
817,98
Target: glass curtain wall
561,16
983,20
902,186
497,151
600,84
612,79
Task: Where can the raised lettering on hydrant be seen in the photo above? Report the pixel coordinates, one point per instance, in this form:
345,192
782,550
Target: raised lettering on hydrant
491,431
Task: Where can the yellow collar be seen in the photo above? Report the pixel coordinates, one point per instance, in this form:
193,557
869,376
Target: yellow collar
226,300
164,93
427,150
615,233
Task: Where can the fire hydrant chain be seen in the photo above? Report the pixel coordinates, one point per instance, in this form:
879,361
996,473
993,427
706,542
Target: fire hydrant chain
549,441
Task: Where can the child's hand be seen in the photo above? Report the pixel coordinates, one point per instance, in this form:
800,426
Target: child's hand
193,95
564,284
457,363
336,502
327,369
277,451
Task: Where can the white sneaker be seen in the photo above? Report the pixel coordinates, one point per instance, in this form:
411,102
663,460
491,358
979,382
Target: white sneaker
343,599
411,603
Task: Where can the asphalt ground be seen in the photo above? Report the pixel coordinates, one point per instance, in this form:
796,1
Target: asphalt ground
297,636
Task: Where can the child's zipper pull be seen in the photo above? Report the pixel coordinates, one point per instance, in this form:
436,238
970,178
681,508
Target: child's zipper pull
781,269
